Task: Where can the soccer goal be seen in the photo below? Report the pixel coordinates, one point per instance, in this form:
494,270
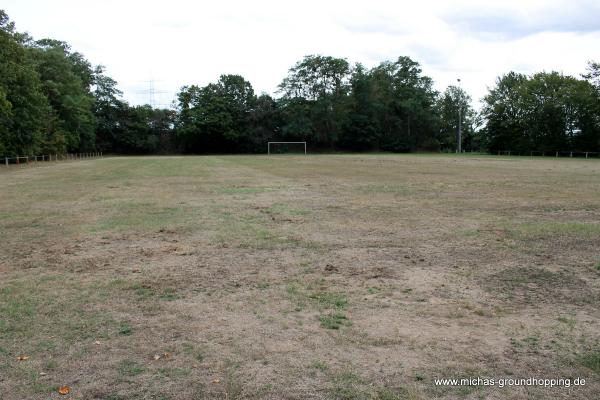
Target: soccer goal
286,147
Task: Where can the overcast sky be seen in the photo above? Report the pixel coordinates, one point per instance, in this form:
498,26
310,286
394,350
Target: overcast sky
176,43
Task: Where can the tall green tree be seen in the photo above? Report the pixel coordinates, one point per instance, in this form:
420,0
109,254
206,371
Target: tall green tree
360,129
315,91
449,103
217,117
264,123
593,74
5,120
143,130
405,101
505,115
23,106
66,80
109,111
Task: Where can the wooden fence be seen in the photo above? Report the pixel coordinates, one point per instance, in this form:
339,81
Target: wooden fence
35,159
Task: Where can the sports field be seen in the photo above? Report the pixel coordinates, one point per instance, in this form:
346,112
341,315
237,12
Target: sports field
299,277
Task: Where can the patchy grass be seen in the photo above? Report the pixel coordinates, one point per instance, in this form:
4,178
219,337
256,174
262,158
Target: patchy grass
125,216
175,373
128,368
591,360
328,300
195,352
548,228
319,365
263,285
169,294
329,276
233,386
531,284
280,209
244,190
400,190
334,320
125,329
348,385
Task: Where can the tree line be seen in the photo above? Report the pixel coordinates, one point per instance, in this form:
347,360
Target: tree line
328,103
52,100
546,111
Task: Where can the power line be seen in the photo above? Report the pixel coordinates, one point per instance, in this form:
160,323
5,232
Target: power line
151,93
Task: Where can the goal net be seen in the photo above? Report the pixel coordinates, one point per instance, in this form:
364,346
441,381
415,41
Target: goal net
286,147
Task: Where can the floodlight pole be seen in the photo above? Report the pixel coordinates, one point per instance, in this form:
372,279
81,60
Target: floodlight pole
459,147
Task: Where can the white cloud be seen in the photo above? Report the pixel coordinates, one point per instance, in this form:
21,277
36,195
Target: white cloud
178,42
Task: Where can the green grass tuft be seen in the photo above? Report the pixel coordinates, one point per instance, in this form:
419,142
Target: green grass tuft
320,365
541,229
130,368
334,321
592,361
125,330
327,300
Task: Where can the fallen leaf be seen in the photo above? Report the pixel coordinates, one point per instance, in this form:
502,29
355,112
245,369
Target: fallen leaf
23,358
64,390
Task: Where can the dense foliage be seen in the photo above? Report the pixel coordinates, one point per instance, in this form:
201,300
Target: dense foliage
543,112
52,100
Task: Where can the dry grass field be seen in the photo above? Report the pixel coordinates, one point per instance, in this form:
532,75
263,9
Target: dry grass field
299,277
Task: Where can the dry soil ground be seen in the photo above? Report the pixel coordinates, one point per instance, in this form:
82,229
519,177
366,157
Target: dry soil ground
299,277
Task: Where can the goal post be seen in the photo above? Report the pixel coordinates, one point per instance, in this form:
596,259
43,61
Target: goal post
285,143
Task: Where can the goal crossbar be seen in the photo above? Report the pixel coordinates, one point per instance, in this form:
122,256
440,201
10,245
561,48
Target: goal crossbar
270,143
